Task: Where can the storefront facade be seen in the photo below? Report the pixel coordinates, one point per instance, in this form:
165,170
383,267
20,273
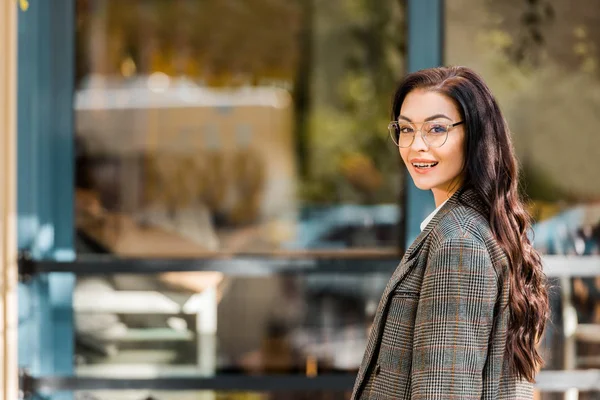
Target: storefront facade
206,192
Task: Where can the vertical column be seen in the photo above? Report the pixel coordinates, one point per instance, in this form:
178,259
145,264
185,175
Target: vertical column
425,50
8,266
62,159
206,329
45,186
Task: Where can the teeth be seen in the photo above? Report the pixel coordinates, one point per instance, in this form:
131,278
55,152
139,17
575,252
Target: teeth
422,165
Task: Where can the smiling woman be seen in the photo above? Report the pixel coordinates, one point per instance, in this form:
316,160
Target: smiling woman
436,158
468,303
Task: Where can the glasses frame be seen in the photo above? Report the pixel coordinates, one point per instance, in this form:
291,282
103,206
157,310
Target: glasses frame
423,136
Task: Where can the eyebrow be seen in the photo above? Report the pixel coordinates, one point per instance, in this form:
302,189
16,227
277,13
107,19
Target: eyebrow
436,116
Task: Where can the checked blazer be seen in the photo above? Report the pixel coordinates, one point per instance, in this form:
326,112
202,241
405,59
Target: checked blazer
440,328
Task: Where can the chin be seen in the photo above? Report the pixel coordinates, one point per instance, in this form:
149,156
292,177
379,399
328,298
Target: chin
423,185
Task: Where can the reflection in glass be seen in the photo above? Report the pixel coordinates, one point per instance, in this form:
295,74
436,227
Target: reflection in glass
188,395
213,126
544,71
204,323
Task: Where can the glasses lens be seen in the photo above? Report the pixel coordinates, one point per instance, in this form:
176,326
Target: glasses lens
394,130
406,134
436,133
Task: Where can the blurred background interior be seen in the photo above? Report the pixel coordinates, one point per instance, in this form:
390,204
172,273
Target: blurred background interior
253,133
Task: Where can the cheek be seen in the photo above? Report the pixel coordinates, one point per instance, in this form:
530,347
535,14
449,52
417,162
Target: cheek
455,151
404,155
456,157
460,154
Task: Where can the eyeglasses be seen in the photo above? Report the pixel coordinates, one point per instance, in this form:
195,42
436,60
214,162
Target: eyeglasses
434,133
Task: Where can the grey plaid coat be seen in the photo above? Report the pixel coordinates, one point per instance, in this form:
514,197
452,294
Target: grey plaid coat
440,329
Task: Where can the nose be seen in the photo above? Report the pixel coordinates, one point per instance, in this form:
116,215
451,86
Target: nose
419,143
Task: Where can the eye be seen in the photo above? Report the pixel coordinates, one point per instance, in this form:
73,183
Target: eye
437,129
406,129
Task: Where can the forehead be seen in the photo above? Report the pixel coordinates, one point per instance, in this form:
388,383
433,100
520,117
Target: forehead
421,104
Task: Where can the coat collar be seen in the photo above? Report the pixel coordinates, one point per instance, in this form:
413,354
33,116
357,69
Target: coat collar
463,196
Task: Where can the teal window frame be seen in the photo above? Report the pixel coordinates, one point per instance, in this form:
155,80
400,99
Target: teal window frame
45,184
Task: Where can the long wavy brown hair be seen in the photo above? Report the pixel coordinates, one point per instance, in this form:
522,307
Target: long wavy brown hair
491,170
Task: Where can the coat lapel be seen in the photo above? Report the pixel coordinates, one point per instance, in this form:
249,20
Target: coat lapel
410,254
409,260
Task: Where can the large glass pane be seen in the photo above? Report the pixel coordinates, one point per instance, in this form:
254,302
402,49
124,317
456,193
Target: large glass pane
227,126
204,395
540,58
191,324
207,323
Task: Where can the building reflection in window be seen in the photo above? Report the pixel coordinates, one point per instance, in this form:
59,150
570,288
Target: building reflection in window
208,127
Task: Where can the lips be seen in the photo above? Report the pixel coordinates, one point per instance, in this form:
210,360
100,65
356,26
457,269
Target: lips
421,165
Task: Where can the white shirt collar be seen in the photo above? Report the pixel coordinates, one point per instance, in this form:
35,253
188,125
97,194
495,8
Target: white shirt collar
430,216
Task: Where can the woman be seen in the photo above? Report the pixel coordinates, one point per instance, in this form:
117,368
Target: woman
462,314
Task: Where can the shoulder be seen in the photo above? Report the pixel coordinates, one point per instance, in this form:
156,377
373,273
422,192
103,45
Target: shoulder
463,221
464,228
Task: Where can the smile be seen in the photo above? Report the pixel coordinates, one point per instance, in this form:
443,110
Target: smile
424,165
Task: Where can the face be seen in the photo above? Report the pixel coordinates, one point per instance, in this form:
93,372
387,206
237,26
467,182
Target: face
436,169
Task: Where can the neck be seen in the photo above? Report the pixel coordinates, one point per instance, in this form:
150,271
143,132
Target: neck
441,196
